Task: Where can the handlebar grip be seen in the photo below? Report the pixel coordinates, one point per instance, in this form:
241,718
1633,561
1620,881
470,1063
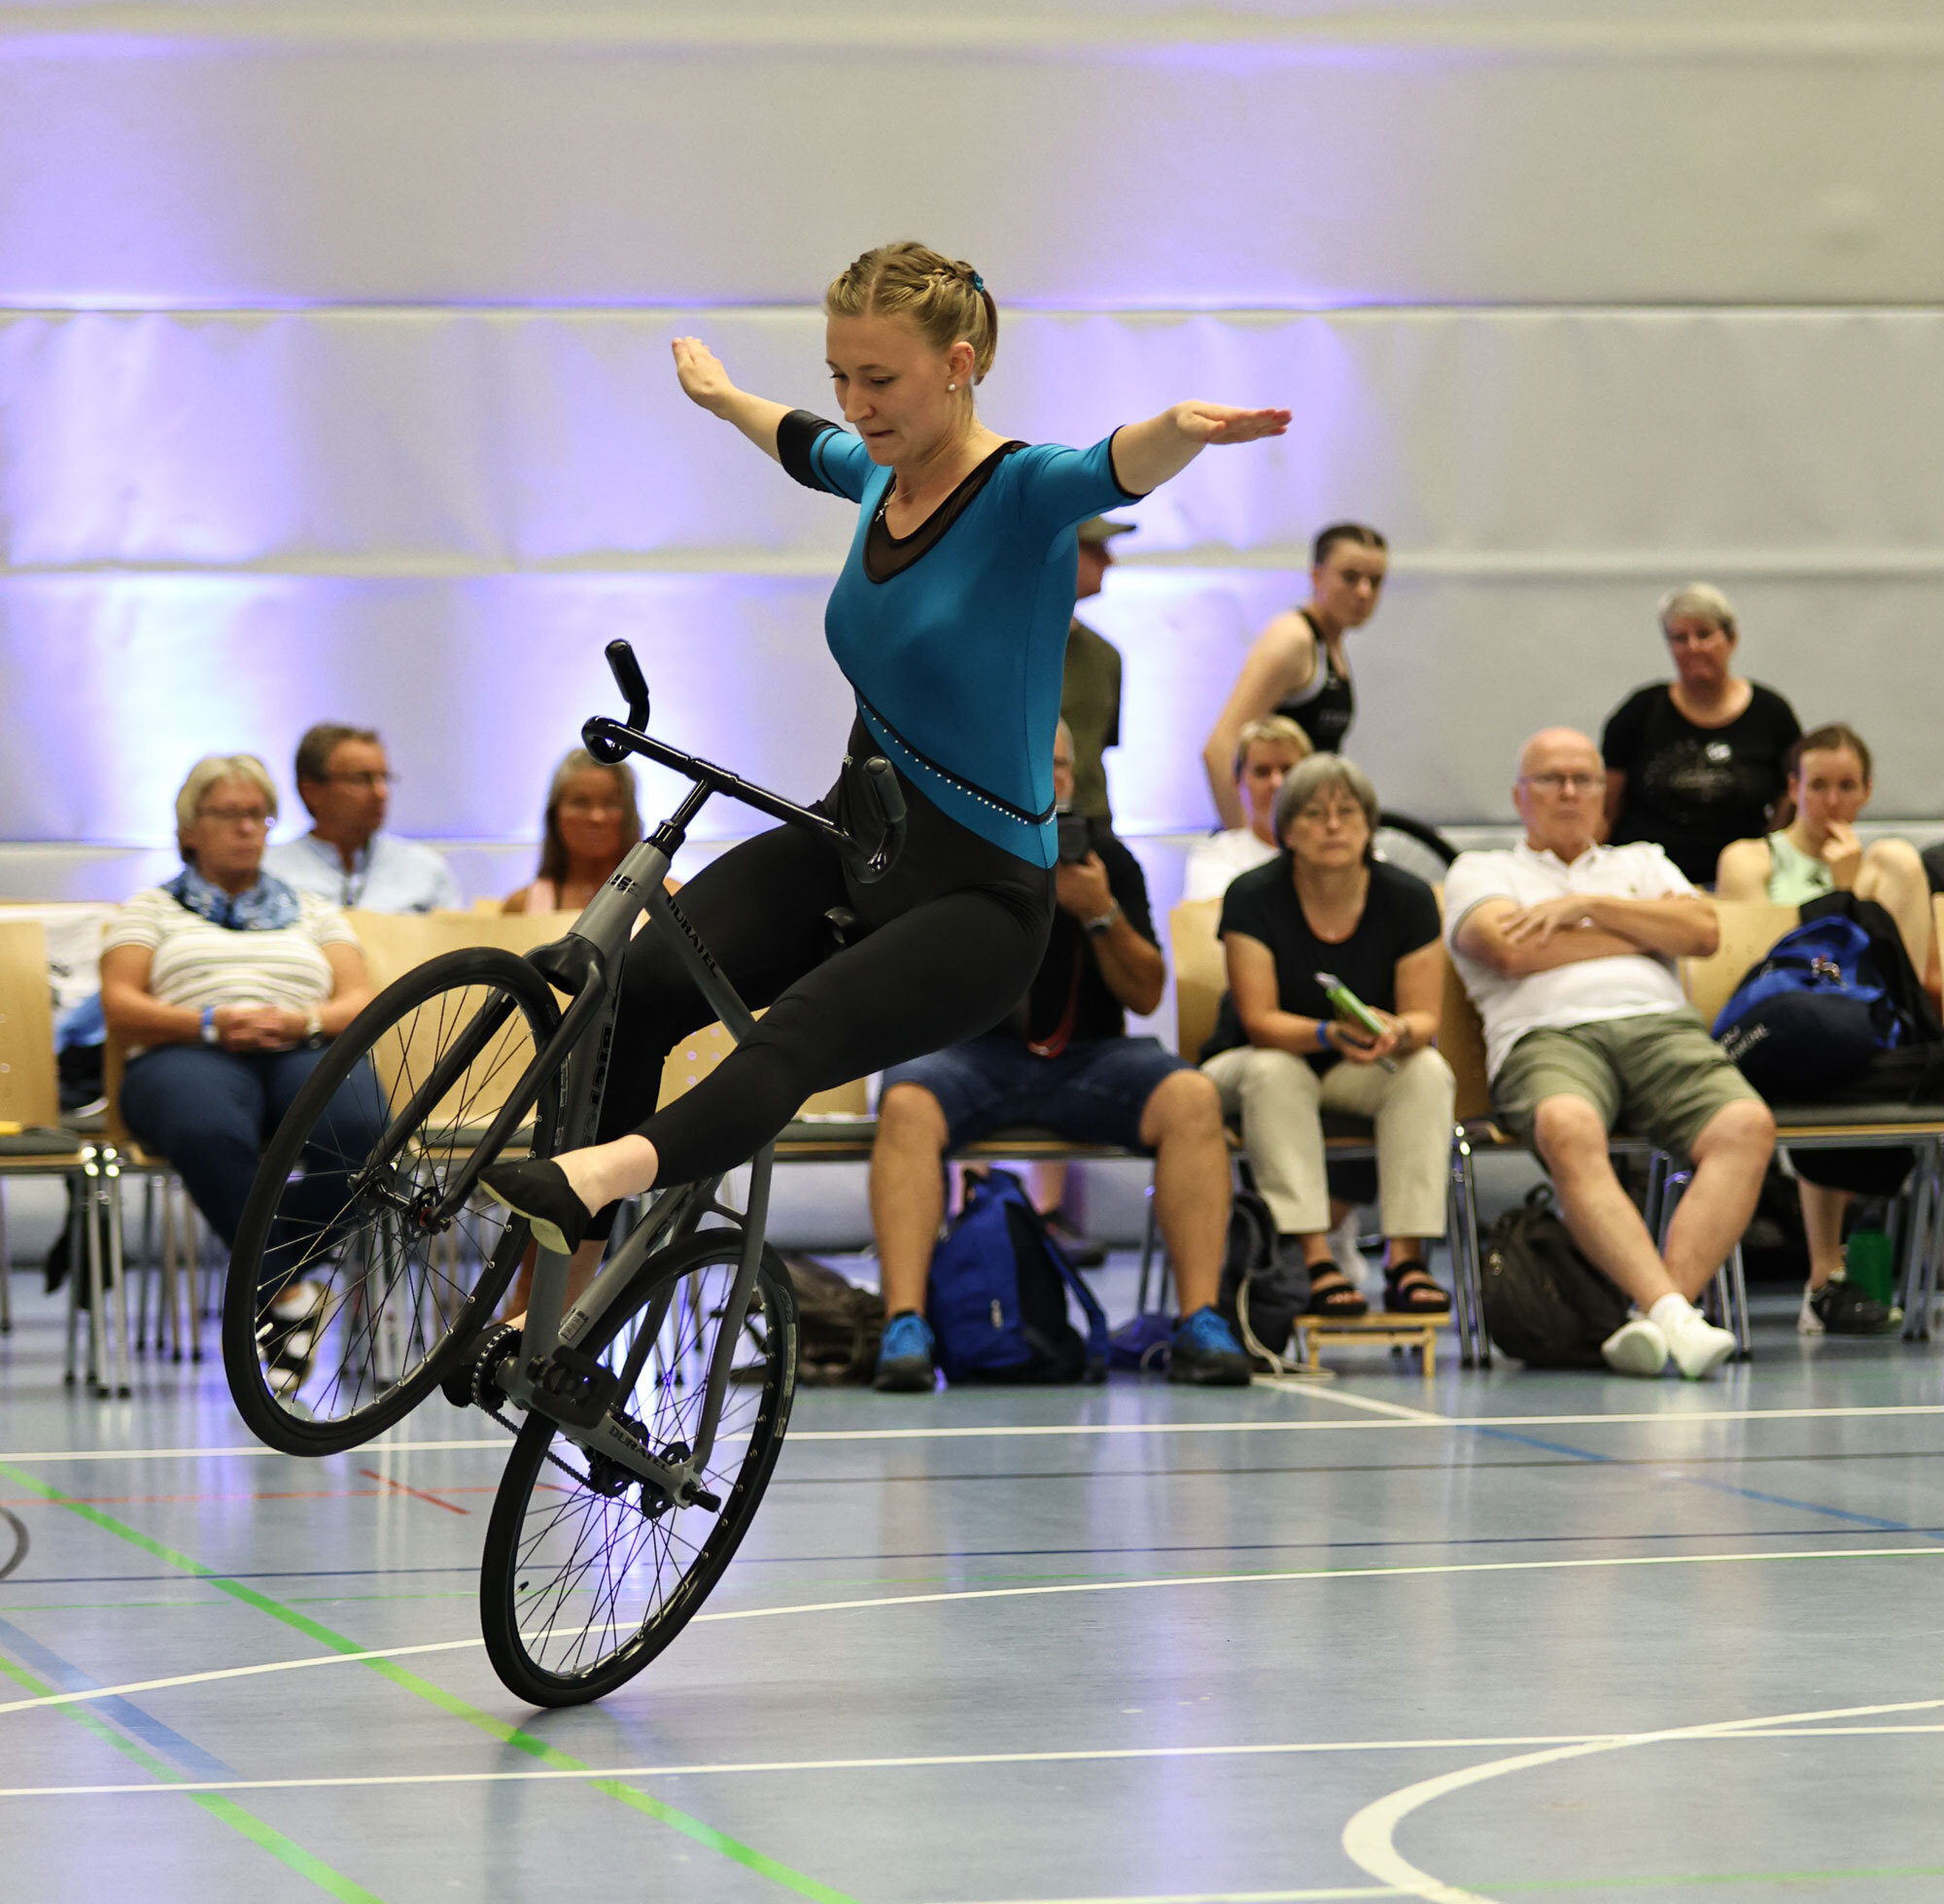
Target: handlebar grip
888,797
627,677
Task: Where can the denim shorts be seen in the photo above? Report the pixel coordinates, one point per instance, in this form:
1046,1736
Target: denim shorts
1093,1092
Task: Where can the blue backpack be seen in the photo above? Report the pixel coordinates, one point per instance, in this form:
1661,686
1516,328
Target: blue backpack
997,1301
1814,1015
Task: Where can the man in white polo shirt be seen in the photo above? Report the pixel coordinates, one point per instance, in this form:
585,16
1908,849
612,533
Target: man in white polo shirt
1568,948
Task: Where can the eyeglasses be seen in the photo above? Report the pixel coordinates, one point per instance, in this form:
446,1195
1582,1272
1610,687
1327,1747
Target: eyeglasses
235,815
364,781
1559,783
1323,815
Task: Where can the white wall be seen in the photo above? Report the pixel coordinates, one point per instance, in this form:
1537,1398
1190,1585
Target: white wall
332,375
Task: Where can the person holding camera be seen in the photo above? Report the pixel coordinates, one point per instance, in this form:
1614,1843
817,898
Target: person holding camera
1063,1059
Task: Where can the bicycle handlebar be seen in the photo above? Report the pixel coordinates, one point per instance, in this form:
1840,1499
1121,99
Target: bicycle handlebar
611,742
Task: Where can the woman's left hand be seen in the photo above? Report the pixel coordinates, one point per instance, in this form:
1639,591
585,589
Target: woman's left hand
1843,855
1224,423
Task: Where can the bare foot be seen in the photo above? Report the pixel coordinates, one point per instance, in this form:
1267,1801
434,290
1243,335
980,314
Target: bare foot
603,1173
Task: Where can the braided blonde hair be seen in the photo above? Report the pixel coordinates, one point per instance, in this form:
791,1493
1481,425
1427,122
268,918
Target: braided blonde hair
942,299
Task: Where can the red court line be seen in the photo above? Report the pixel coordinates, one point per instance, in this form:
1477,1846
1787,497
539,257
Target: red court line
417,1494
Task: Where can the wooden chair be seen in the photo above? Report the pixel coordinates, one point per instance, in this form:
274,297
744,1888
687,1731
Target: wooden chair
33,1144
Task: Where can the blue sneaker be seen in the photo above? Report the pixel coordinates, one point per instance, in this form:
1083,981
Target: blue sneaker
1204,1351
905,1365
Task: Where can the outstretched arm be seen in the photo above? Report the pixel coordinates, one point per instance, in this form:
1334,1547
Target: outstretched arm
1147,454
707,383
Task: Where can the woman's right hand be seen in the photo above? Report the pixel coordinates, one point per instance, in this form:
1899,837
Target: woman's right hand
1843,855
703,377
1353,1042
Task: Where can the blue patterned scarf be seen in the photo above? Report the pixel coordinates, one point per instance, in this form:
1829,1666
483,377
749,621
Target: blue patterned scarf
268,905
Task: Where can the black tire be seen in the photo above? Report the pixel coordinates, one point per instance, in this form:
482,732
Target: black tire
390,1304
1412,845
583,1583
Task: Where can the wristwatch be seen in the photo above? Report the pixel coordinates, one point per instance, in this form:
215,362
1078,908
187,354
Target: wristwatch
313,1026
209,1034
1098,928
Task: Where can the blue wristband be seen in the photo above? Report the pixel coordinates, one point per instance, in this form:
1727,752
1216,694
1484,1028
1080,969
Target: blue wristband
1322,1039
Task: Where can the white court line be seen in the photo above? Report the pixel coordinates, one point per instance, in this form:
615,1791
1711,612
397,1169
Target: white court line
1661,1417
1569,1743
1929,1551
1369,1839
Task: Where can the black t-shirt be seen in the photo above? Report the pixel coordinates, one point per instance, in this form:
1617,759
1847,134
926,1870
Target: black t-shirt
1324,708
1399,917
1069,975
1692,789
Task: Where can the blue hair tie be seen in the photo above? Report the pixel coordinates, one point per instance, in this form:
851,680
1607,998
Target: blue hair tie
978,283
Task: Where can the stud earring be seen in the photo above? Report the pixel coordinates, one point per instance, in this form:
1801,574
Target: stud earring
952,386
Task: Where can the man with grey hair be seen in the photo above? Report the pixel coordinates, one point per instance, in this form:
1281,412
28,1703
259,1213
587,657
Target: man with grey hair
345,783
1568,949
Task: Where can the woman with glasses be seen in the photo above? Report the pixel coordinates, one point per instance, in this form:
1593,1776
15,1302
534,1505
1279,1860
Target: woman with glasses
1283,1055
223,986
1697,762
592,821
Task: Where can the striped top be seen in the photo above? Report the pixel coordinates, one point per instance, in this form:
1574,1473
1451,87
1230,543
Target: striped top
200,964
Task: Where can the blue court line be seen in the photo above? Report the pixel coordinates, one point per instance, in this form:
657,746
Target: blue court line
1722,1487
132,1718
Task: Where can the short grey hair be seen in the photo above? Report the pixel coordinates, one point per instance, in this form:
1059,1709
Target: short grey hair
1312,777
211,770
1700,601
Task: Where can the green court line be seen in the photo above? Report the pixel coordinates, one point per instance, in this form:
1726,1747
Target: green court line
219,1806
449,1703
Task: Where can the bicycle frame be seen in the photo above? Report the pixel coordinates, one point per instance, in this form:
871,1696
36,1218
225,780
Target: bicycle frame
587,963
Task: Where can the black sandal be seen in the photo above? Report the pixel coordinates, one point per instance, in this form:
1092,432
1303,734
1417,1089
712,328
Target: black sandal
1405,1296
1340,1300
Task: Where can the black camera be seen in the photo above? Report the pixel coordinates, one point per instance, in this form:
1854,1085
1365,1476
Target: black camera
1075,841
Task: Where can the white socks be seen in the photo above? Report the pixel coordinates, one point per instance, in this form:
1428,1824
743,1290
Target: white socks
1697,1348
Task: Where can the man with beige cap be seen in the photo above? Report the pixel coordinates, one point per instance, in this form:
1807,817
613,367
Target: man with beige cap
1568,949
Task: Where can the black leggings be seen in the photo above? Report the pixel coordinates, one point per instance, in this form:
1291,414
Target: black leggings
952,939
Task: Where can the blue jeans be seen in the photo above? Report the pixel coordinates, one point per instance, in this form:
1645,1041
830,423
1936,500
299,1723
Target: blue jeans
209,1112
1093,1092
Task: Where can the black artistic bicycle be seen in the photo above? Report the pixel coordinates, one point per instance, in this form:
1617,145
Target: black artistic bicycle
647,1415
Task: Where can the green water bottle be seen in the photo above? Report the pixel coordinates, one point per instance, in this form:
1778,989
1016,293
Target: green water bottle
1866,1263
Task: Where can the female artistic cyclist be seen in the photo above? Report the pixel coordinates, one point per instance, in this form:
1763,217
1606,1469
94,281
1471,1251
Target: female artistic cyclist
950,622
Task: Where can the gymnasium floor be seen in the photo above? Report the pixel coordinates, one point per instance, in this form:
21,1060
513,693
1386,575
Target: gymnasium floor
1493,1637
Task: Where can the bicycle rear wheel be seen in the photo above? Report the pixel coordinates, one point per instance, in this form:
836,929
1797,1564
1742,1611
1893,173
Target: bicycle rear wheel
588,1572
343,1308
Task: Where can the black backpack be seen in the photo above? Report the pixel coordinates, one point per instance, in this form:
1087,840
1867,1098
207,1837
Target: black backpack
1261,1295
837,1325
1544,1302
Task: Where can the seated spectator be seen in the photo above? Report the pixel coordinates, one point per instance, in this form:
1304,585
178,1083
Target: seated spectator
592,821
1298,667
1695,762
1064,1061
1814,852
1264,755
1090,692
1281,1056
226,983
345,783
1568,949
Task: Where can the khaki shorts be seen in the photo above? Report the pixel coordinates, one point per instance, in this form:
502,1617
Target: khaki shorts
1659,1075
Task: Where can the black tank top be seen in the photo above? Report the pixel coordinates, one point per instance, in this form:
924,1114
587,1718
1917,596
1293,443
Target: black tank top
1324,708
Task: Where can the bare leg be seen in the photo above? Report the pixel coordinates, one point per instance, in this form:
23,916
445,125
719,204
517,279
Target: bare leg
1731,1156
1572,1141
1049,1188
1823,1211
580,1269
907,1193
1181,1123
1893,876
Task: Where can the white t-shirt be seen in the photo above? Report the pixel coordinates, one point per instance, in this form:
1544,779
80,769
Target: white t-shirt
1214,862
1629,985
200,964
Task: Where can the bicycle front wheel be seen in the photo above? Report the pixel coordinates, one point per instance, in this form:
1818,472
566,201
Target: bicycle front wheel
590,1572
346,1302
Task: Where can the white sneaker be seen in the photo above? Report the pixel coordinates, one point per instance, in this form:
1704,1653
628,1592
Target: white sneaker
1636,1348
1697,1346
1807,1321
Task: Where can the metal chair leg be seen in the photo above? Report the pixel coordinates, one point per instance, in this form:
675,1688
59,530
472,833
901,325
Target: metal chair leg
1466,1268
76,1248
97,1285
1926,1224
1150,1231
118,1266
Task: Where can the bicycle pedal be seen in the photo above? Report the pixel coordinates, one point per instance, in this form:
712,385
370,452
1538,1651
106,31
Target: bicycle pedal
579,1388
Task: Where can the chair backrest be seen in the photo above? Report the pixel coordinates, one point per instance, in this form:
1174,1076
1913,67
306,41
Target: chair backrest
1750,927
1461,1037
395,942
1201,972
698,1054
29,1086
